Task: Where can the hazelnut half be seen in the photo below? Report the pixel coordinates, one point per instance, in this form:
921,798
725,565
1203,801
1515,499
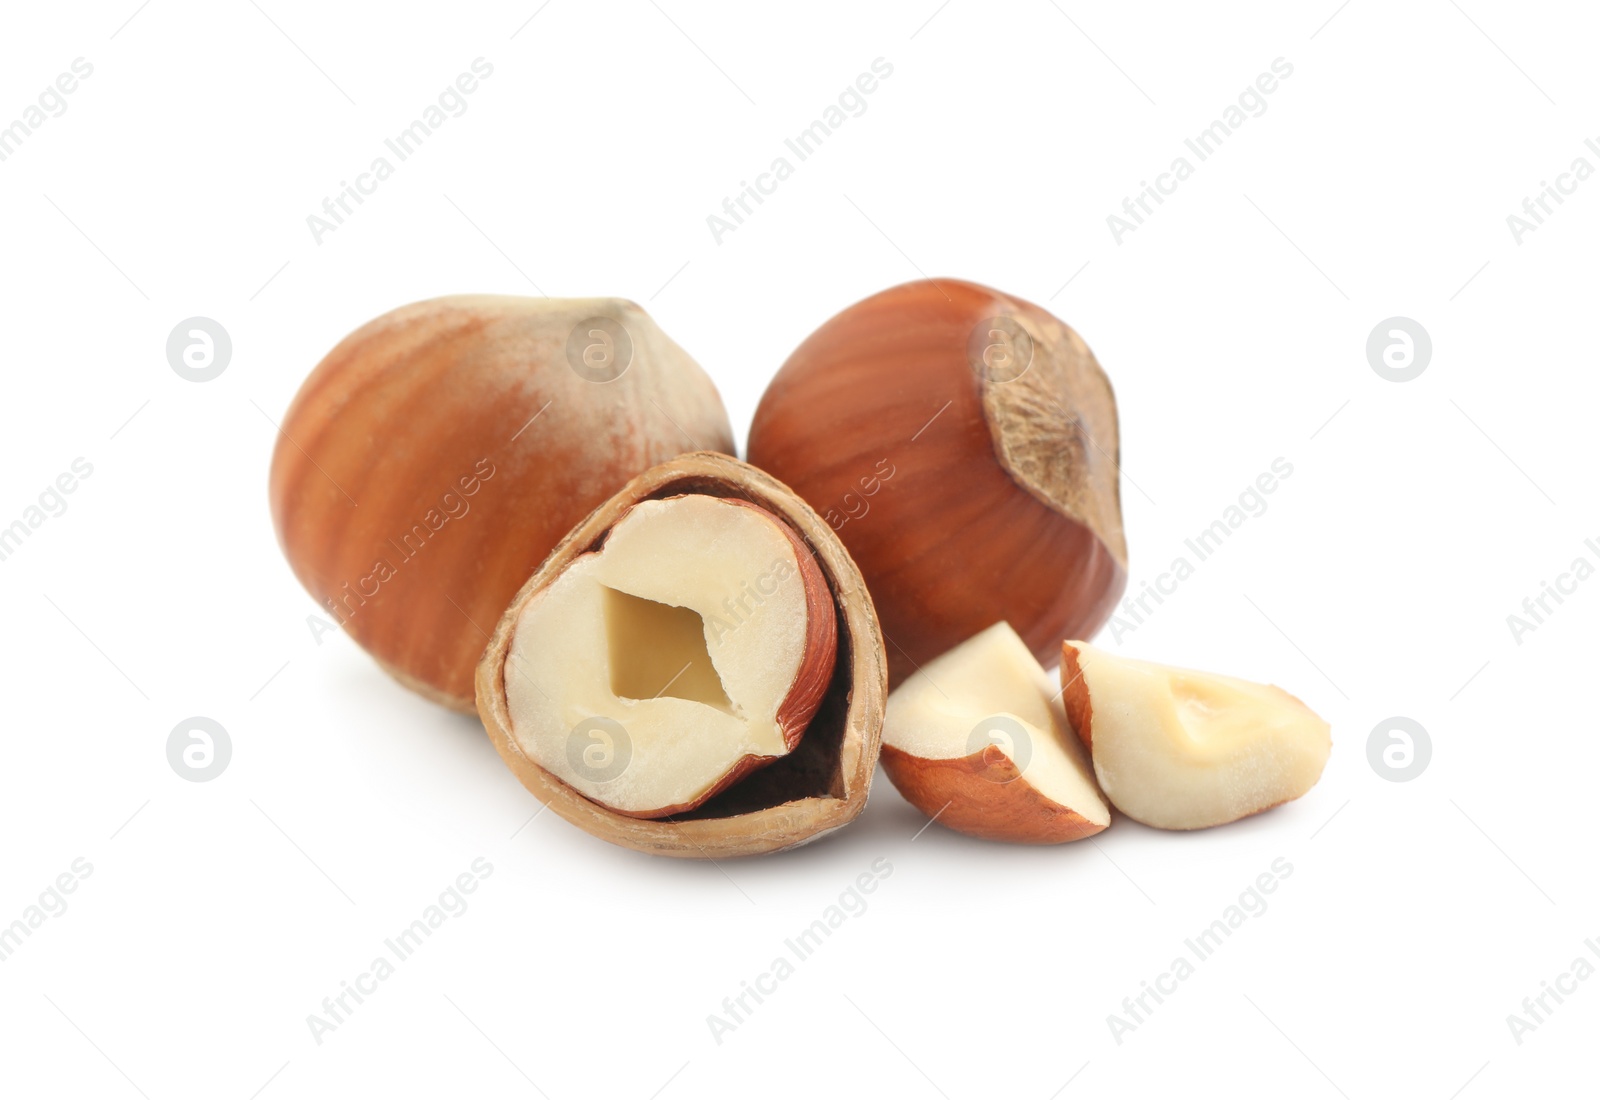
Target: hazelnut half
963,443
1177,749
439,452
979,742
696,670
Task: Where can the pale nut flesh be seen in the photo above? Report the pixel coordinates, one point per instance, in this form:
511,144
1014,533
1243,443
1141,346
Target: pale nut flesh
1178,749
690,649
978,741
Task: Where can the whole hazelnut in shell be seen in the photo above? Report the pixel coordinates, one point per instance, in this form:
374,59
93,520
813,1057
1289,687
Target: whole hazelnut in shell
434,458
963,444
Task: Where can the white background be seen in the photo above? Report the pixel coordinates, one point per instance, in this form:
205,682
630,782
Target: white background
1233,323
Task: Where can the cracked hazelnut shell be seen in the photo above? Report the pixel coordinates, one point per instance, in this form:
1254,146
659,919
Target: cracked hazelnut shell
817,787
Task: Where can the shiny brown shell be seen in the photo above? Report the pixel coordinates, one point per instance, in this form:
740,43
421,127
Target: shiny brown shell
963,444
438,453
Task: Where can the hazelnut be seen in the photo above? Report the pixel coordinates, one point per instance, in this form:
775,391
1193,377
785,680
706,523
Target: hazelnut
438,453
694,671
979,743
963,443
1177,749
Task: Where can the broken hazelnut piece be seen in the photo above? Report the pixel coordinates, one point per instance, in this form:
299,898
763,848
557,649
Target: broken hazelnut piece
1177,749
694,671
978,741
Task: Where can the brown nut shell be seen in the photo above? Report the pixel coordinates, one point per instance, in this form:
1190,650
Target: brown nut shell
818,787
437,454
984,795
963,443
